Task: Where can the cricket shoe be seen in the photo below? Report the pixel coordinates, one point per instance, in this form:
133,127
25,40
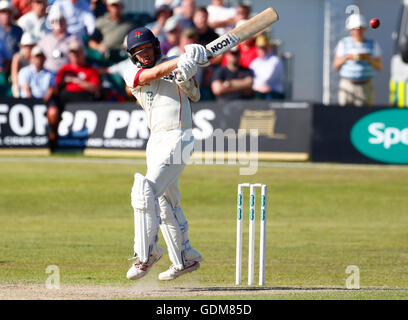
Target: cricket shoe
139,269
173,272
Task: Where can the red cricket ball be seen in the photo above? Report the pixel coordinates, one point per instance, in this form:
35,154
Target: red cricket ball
374,23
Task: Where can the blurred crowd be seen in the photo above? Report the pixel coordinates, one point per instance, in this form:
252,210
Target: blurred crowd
73,50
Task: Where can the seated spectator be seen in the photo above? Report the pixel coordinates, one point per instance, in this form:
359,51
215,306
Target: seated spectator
268,71
55,44
221,18
9,32
79,17
157,26
173,33
188,36
22,7
34,21
206,34
110,30
232,82
20,60
77,81
37,82
185,12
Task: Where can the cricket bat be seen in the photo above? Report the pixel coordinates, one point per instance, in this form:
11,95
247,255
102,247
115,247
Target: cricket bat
239,34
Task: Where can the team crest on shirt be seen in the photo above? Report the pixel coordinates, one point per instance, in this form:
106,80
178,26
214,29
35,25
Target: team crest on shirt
149,100
150,96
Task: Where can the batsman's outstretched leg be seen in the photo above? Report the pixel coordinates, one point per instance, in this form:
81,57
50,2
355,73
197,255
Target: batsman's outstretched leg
147,220
174,228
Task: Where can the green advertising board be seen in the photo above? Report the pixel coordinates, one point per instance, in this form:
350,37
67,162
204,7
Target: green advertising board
382,136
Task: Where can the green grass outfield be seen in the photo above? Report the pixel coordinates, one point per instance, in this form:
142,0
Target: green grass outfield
75,213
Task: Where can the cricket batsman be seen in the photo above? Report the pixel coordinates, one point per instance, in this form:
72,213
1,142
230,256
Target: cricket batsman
163,87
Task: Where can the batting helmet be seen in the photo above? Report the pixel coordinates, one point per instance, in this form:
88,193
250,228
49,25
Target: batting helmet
139,36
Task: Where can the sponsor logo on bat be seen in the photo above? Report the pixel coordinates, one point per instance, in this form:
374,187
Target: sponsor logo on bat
228,41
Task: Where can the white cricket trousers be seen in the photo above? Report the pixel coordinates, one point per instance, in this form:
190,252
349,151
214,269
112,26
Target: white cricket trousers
167,153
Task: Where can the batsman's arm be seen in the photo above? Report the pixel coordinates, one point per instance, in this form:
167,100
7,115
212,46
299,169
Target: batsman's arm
190,88
158,71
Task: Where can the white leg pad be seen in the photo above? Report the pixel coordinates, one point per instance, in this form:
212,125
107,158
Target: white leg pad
174,228
146,218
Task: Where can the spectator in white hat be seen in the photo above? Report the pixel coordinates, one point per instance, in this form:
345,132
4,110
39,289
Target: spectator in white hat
37,82
9,32
34,21
55,45
357,58
20,60
34,80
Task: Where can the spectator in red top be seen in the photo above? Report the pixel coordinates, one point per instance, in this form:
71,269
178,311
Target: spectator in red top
247,50
77,81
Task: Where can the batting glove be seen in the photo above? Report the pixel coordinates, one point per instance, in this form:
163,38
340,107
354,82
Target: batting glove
186,68
198,53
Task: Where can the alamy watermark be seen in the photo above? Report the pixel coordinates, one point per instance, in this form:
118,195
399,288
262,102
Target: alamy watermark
52,281
221,147
353,281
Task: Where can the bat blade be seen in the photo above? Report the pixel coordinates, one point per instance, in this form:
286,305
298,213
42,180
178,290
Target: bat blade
245,31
